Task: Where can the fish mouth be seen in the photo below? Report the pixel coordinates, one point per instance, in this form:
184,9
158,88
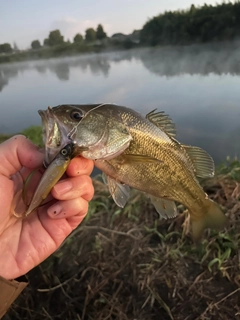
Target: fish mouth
54,136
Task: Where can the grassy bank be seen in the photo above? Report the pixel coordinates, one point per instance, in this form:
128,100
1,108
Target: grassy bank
34,133
66,49
49,52
127,264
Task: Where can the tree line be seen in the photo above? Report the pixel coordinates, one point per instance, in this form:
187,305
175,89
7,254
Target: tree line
55,38
195,25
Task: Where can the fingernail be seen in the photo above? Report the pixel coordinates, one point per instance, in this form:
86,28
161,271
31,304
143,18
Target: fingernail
55,210
63,187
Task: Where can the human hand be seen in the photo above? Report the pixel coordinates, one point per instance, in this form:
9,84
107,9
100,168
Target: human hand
24,243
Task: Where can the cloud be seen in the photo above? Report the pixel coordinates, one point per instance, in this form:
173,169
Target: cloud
69,26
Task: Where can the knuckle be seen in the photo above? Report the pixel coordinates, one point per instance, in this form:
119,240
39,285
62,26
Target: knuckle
85,182
87,187
83,206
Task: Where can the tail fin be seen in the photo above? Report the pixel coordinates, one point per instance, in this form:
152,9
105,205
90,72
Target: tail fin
213,217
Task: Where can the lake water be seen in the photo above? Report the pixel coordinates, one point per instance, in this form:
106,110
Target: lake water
198,87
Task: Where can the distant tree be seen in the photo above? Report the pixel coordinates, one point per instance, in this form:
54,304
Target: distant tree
46,42
78,38
100,34
90,34
5,48
36,44
192,9
55,38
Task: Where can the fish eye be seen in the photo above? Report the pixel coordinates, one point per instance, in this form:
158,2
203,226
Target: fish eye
64,152
76,115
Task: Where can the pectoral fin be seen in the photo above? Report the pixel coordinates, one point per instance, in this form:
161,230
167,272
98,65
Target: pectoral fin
166,208
201,160
136,158
119,192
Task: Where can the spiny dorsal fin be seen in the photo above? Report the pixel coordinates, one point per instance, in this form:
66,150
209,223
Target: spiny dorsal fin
201,160
166,208
162,121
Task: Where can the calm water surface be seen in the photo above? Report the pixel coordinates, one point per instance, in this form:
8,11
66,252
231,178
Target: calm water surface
198,87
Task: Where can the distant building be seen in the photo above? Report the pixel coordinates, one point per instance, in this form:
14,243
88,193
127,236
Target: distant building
119,36
133,37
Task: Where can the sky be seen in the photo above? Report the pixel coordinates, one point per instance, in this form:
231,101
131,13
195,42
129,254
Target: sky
22,21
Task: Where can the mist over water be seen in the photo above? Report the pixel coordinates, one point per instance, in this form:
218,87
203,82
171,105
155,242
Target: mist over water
198,86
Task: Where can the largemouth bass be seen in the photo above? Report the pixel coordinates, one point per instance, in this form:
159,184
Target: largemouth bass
139,152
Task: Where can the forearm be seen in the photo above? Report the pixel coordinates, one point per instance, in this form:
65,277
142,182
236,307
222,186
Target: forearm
9,291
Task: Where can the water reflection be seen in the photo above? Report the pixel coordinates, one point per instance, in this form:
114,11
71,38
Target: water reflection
97,64
197,59
61,71
3,80
41,68
168,61
6,73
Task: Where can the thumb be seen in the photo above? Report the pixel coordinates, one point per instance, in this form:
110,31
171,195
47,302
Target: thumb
18,152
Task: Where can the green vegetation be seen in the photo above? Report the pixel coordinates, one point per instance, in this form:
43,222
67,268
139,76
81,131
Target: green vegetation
100,34
196,25
5,48
78,38
55,38
4,137
230,169
55,46
34,133
36,44
49,52
127,264
90,35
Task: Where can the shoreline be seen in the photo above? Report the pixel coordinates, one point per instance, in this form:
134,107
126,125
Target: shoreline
72,50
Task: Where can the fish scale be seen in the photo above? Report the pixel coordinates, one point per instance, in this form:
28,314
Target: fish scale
169,173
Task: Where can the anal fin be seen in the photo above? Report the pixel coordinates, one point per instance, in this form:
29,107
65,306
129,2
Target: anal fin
165,208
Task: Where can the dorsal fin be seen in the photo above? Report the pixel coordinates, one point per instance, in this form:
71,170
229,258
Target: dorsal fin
201,160
162,121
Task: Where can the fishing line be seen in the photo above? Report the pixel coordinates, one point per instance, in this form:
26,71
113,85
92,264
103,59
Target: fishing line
74,129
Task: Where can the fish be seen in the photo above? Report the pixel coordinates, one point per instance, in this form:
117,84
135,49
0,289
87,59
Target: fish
136,151
49,178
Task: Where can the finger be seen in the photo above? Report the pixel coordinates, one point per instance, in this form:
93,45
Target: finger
68,208
72,188
75,221
80,166
18,152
